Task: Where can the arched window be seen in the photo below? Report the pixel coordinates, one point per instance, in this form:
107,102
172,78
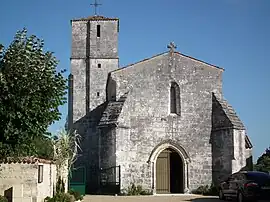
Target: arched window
175,98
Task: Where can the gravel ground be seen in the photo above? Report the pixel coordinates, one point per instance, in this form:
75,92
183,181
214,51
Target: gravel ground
156,198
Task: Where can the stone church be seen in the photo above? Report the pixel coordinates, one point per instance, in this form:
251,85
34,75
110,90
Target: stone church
161,123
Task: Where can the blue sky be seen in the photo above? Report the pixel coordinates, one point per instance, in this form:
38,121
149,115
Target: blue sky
232,34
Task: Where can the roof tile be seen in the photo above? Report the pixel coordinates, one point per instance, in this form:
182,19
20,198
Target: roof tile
229,112
95,18
112,111
26,160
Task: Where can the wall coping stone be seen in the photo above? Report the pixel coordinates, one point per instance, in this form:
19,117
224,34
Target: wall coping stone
25,160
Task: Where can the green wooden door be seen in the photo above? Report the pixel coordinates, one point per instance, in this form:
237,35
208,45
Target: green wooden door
77,180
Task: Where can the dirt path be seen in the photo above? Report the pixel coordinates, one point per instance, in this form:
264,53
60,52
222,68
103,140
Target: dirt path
176,198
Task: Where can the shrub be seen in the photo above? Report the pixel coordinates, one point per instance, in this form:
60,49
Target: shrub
61,197
146,192
206,190
134,190
3,199
213,190
76,195
60,186
200,190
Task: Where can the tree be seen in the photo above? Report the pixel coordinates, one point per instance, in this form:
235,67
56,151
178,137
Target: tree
31,92
263,162
66,150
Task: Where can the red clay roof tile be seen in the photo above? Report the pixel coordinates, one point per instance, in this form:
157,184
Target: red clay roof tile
28,160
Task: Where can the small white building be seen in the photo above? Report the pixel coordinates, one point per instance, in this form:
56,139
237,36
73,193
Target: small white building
27,179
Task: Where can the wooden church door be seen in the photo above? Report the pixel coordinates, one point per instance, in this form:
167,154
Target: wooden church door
163,173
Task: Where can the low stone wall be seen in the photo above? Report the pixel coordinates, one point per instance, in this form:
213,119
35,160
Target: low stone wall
28,179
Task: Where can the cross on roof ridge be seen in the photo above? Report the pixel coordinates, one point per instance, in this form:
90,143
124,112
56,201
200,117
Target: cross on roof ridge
95,4
171,46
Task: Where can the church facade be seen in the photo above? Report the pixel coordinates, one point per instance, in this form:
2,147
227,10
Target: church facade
161,123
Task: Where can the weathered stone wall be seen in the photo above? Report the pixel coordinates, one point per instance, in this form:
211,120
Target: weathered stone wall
88,50
86,43
229,152
107,147
92,59
79,42
222,154
105,46
249,159
98,80
239,160
228,140
78,69
21,181
146,121
46,188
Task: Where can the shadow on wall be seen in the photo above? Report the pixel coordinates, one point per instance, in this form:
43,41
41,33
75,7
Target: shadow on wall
222,175
8,194
249,164
88,157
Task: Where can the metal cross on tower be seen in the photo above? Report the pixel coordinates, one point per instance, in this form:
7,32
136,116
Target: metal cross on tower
96,4
172,47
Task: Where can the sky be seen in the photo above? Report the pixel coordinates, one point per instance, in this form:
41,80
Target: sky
232,34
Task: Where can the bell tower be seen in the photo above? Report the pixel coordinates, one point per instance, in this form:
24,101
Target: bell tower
94,54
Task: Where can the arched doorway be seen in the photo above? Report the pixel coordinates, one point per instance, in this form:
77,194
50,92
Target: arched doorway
169,172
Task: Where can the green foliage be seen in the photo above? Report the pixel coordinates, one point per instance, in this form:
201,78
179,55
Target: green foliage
60,197
2,198
263,162
44,147
134,190
31,91
60,186
76,195
66,149
206,190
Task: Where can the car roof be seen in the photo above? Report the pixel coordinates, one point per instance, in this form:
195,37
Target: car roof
254,172
258,173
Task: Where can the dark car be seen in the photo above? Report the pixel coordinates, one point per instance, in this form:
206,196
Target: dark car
246,186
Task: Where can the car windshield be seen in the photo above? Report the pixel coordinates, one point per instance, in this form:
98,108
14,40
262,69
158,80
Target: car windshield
258,177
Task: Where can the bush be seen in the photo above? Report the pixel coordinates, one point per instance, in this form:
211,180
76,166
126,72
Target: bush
3,199
61,197
60,186
76,195
200,190
206,190
213,190
134,190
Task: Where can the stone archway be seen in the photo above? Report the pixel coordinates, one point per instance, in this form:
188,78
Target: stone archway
169,163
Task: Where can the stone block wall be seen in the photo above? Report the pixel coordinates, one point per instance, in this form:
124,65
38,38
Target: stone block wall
239,156
249,159
228,140
20,180
92,58
223,154
145,120
107,147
